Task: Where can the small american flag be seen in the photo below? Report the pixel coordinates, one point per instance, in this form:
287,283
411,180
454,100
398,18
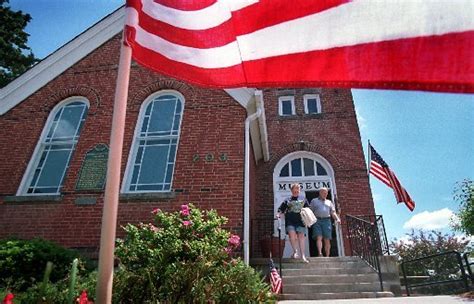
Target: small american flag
380,169
275,279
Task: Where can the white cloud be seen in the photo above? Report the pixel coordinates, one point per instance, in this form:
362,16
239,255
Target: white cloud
377,197
463,237
437,219
361,120
405,239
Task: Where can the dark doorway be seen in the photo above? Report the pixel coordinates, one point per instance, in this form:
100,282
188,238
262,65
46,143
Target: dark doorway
313,250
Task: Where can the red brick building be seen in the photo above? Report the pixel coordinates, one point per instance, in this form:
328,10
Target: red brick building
183,144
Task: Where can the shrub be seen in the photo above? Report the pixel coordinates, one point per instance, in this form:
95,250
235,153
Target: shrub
22,262
184,257
55,293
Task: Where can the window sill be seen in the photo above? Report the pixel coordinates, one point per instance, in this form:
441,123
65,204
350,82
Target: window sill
150,196
33,198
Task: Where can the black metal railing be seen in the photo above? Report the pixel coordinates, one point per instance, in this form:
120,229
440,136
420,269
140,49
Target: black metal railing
382,235
368,240
263,237
436,272
280,253
468,266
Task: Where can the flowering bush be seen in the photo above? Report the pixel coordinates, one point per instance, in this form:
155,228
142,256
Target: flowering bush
184,257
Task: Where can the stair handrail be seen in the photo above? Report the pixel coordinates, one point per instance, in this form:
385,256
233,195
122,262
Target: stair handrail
365,241
465,256
463,278
279,247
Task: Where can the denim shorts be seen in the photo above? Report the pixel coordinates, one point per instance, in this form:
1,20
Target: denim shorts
323,227
298,229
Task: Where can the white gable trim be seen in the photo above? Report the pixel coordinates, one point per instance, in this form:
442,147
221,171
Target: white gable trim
59,61
69,54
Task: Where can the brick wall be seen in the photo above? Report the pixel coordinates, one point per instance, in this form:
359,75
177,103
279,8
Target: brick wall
213,123
334,135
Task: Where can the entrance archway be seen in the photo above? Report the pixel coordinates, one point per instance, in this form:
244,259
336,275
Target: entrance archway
311,171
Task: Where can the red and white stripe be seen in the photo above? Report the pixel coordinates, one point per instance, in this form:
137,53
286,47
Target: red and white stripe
379,172
406,44
401,194
388,177
275,281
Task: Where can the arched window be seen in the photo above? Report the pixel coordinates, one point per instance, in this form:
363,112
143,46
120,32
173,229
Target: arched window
53,153
153,154
302,167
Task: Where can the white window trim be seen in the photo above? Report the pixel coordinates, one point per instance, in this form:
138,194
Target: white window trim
318,103
303,172
35,158
133,150
330,177
280,105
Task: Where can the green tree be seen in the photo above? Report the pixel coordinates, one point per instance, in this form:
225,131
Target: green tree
422,243
15,56
464,195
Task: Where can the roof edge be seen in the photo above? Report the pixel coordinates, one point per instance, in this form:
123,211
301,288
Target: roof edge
60,60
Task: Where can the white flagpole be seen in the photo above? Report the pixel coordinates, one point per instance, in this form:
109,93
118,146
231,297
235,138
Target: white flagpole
369,157
112,188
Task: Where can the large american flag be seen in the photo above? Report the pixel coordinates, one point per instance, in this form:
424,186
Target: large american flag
380,169
387,44
275,279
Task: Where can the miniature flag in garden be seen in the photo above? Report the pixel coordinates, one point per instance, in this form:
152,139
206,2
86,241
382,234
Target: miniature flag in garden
380,169
385,44
83,299
8,298
275,279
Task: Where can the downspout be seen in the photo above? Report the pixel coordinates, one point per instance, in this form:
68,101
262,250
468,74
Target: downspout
246,241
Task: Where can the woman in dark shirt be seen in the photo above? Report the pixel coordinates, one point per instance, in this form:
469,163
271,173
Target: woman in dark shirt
294,225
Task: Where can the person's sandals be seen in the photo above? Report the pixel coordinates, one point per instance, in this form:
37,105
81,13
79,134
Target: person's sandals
295,255
305,259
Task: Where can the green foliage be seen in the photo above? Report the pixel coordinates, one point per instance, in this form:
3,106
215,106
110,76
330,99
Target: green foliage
423,243
184,257
464,195
23,262
54,293
15,56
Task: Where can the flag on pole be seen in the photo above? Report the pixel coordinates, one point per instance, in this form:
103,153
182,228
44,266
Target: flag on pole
385,44
380,169
275,279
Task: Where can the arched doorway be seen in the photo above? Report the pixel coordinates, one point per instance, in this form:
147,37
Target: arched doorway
311,171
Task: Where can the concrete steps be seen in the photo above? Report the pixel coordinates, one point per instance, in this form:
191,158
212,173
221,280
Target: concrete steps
329,278
334,296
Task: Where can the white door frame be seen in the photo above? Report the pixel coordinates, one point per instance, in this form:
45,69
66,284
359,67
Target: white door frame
281,191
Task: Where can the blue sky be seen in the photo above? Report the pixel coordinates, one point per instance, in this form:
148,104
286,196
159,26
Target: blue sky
426,138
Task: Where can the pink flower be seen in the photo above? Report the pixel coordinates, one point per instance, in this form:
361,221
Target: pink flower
153,228
155,211
187,223
184,210
234,241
